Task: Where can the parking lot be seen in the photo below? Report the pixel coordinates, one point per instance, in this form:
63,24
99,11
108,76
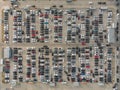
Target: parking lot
59,45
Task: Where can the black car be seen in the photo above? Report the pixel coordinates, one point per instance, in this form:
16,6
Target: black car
20,79
109,78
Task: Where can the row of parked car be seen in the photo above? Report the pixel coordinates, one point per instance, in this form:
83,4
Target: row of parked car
99,65
84,57
17,26
80,71
101,74
6,26
96,58
103,65
30,25
102,68
71,64
31,65
86,28
44,64
27,38
33,30
109,64
58,26
109,18
6,70
77,66
72,26
44,26
117,26
57,64
80,26
17,65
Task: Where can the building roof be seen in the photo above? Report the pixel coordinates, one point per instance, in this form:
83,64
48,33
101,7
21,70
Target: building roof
7,52
111,35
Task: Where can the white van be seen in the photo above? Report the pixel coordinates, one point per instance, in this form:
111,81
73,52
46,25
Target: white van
1,61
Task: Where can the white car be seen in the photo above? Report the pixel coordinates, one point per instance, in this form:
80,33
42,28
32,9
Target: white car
15,67
7,80
69,27
69,50
65,13
33,40
19,28
15,31
6,35
110,14
6,41
19,37
82,26
6,27
14,39
20,58
46,20
69,23
5,10
60,24
27,78
20,66
88,73
74,18
82,36
41,18
33,70
46,40
41,78
19,23
32,11
87,61
19,12
46,25
82,61
7,75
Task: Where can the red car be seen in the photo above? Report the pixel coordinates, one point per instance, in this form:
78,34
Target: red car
83,43
59,16
96,56
41,15
87,66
